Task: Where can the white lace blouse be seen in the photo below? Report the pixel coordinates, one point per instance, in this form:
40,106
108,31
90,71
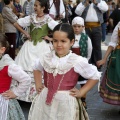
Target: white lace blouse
53,64
26,21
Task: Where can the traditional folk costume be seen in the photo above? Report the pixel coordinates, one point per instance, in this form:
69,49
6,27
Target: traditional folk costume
82,45
93,16
10,109
60,76
110,85
56,9
33,49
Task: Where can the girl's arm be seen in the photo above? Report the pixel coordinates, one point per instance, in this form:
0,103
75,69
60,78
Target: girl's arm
37,71
112,45
84,90
23,79
21,30
88,71
103,61
38,80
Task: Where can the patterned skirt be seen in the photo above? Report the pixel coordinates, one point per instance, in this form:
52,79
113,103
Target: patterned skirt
14,111
63,107
110,85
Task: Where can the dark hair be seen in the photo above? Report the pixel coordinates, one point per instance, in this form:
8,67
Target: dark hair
7,2
78,1
45,3
4,42
65,27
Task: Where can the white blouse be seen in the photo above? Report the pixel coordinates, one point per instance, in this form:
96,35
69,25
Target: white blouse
76,45
53,64
26,21
114,37
17,74
22,77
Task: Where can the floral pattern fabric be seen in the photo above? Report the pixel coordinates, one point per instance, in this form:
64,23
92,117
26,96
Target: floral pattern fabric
14,111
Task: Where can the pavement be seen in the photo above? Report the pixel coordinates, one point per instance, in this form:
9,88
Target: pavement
96,108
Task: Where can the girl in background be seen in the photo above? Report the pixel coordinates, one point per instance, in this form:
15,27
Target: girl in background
110,84
9,107
59,99
39,23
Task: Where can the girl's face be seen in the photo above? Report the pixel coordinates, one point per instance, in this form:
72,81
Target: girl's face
2,50
37,8
61,43
78,29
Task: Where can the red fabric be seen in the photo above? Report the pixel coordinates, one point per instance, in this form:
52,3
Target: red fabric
60,82
76,50
5,80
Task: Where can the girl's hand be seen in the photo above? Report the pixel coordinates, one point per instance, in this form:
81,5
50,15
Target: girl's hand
27,35
101,62
39,88
75,93
9,95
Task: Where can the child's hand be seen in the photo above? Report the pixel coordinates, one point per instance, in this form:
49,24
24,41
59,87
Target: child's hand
9,95
101,62
75,93
39,88
27,35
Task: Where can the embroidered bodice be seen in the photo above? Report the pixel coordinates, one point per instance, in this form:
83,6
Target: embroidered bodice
65,81
37,33
62,73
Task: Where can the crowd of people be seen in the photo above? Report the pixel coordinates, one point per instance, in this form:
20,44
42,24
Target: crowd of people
59,46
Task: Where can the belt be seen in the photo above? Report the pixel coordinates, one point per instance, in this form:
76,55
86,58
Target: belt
92,24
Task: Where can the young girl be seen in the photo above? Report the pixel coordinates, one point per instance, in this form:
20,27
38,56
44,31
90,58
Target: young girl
39,24
110,85
82,46
61,68
9,107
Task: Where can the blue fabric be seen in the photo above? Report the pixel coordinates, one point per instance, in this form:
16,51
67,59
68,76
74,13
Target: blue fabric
14,111
103,31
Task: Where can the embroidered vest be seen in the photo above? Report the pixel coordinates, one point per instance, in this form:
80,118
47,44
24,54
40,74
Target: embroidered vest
99,13
59,82
83,44
37,33
5,80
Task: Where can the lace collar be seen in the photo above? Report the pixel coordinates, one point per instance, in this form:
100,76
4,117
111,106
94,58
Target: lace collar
53,64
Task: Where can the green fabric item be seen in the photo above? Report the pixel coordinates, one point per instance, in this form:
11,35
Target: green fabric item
113,72
83,45
37,33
